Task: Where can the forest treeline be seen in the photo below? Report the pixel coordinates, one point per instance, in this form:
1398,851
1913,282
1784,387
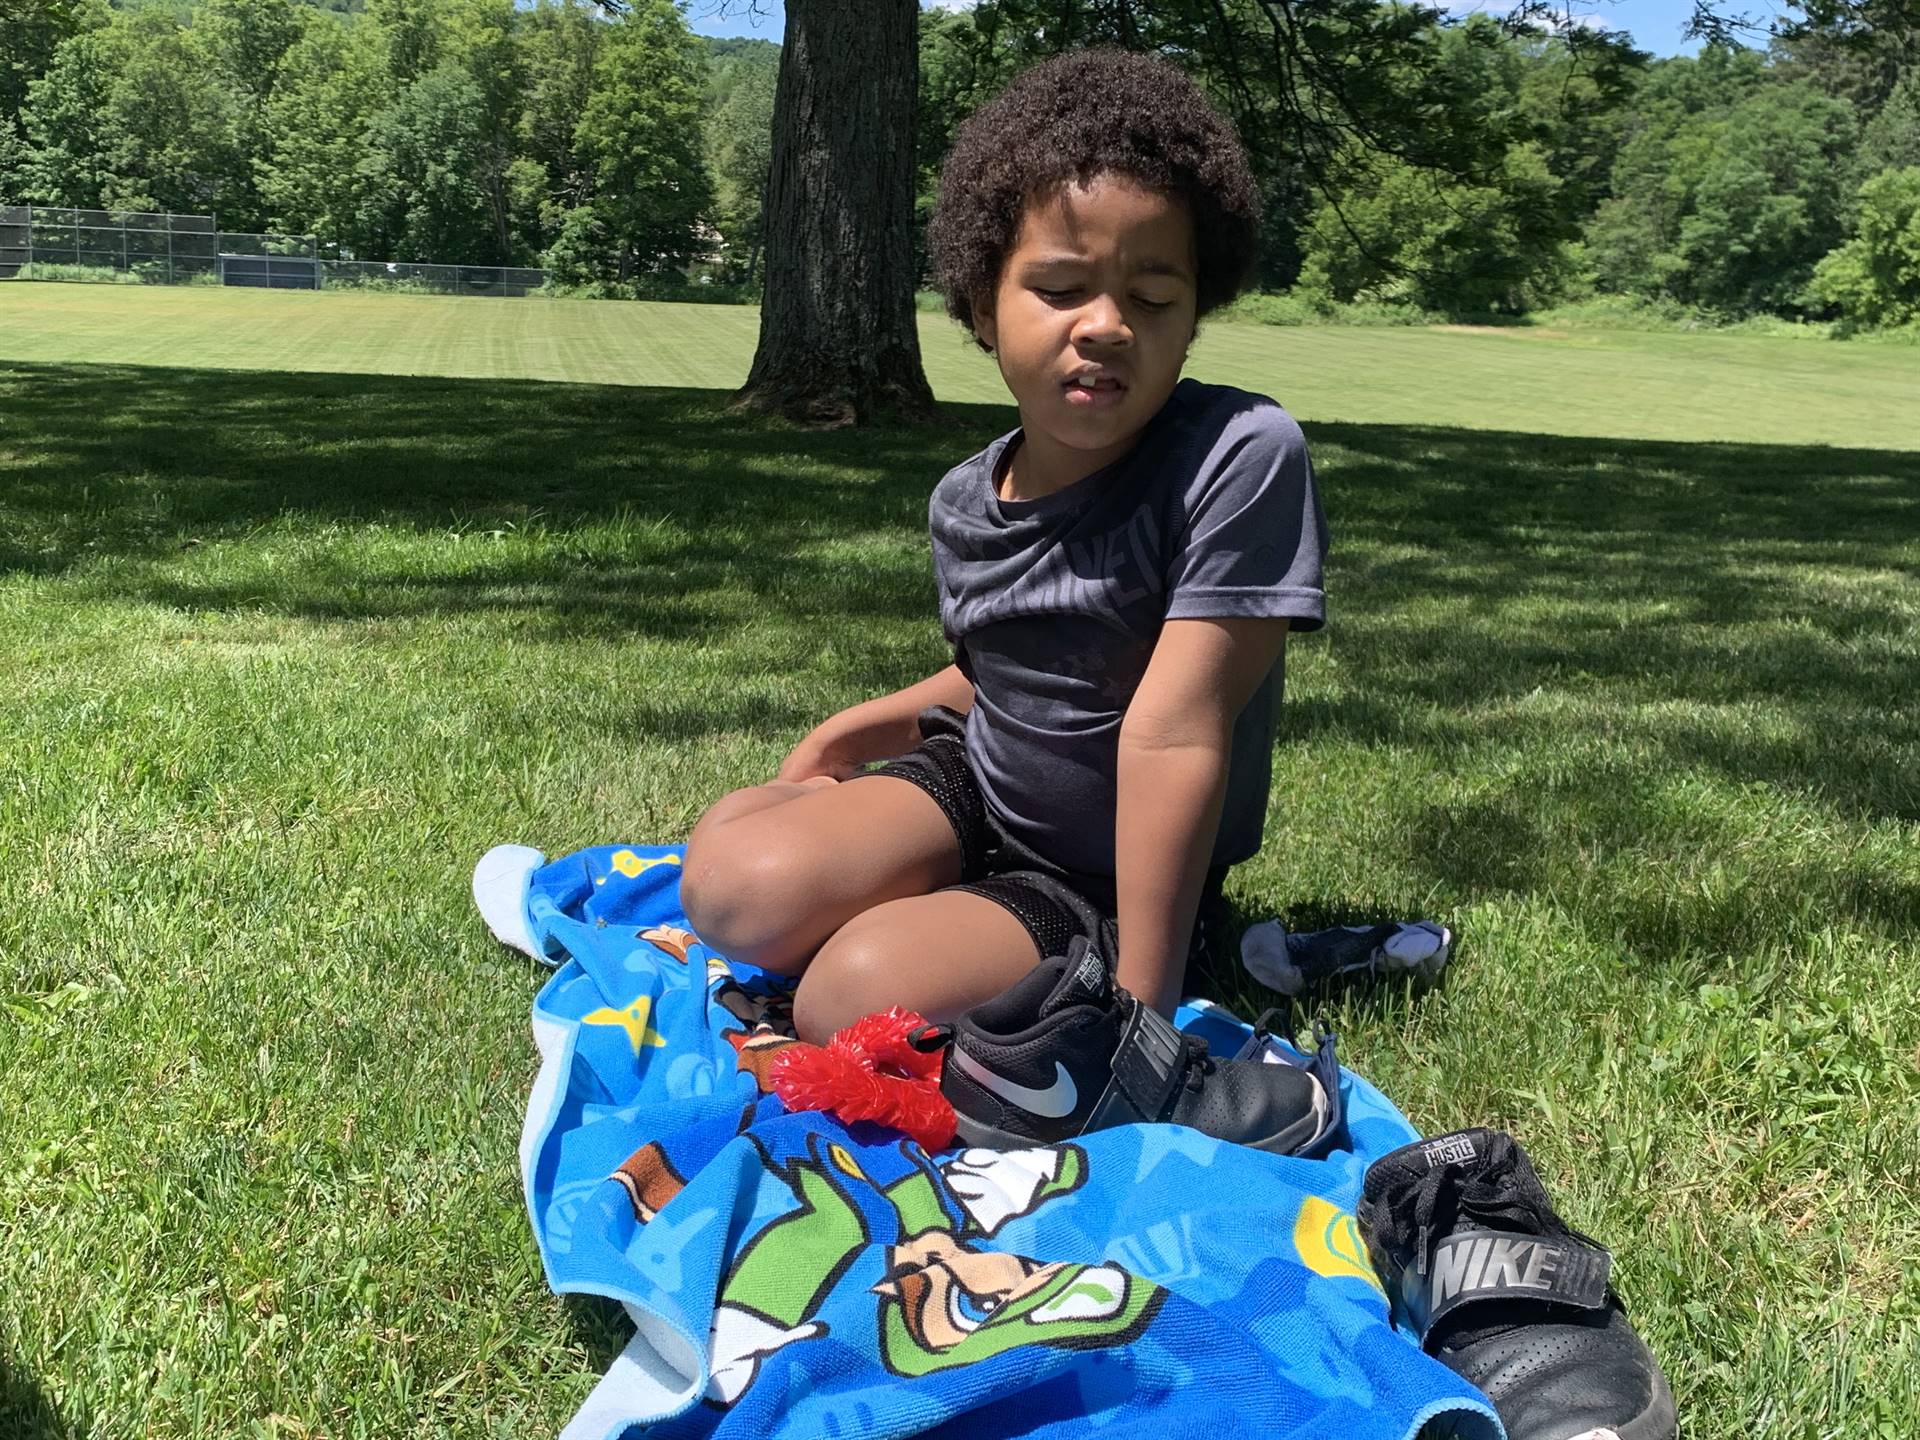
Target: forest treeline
619,150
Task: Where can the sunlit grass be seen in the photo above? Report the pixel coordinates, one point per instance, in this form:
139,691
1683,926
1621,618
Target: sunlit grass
284,653
1538,381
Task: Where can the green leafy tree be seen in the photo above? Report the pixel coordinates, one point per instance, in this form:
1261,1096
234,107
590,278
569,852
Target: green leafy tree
425,167
1874,278
174,139
1729,189
245,44
1891,139
248,41
68,125
740,155
1497,238
640,133
137,113
313,178
730,60
412,33
1405,234
30,31
14,159
558,41
1576,89
481,36
580,249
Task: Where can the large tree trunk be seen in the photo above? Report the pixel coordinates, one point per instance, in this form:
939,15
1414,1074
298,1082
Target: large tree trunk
838,341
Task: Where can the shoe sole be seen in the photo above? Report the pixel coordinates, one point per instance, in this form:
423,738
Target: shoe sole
974,1133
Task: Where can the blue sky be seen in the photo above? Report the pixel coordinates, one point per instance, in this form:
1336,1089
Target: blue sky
1654,24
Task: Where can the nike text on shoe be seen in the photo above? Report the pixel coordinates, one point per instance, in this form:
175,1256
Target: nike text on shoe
1065,1051
1292,961
1503,1293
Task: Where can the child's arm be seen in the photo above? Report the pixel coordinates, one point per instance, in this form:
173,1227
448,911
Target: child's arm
876,729
1174,746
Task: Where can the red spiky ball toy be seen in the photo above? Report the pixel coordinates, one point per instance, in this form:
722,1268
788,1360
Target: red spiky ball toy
868,1071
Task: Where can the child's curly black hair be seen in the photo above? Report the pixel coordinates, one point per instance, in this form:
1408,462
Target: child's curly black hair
1068,119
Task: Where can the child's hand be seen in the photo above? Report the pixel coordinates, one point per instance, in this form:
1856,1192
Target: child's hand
819,758
843,745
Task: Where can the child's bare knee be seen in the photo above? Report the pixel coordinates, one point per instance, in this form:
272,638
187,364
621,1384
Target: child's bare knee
740,897
849,977
715,881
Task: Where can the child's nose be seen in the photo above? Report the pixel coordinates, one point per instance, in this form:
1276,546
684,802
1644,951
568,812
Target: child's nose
1101,321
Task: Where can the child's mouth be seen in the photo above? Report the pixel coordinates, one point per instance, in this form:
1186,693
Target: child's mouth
1100,394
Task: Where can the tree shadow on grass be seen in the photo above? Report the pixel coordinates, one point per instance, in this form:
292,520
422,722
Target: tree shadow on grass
1593,627
552,511
115,461
1746,609
1729,609
25,1411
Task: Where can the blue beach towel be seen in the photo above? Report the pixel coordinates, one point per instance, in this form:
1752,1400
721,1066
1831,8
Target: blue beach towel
788,1275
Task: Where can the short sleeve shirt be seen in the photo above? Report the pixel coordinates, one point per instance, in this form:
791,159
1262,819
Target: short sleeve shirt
1053,606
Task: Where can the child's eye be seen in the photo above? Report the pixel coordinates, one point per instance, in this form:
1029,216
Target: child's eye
1055,294
1145,303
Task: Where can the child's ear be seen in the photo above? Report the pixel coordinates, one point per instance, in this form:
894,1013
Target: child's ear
985,328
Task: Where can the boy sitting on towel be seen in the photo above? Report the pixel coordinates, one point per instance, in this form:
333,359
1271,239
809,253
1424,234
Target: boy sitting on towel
1118,577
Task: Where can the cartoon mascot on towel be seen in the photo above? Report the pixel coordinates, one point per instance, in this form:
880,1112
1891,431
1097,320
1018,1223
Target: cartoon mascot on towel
907,1236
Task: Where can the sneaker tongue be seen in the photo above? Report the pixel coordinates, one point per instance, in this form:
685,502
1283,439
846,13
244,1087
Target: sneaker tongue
1464,1151
1085,981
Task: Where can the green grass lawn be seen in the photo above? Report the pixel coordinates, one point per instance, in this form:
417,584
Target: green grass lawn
283,653
1601,383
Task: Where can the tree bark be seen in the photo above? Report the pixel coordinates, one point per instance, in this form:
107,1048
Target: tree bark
838,340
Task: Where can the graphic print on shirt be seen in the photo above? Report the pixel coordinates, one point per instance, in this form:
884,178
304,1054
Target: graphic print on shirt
1099,574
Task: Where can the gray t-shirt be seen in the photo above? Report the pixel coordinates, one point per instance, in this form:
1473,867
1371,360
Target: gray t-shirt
1053,606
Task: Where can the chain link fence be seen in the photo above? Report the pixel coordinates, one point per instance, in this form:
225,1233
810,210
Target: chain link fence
169,249
166,249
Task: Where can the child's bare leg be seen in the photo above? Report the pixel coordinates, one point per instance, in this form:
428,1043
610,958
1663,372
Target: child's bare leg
772,871
755,797
936,954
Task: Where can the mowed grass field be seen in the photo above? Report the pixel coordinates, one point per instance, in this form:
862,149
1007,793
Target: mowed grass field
1628,705
1606,384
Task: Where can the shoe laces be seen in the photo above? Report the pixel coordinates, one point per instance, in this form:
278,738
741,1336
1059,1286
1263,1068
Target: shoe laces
1500,1193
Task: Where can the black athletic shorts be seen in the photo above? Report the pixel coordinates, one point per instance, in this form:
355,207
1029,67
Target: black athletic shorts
1053,903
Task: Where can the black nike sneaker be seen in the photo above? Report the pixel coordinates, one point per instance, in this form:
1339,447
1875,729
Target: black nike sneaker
1504,1294
1065,1051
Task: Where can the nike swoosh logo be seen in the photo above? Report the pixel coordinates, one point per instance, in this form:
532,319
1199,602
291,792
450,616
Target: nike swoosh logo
1055,1102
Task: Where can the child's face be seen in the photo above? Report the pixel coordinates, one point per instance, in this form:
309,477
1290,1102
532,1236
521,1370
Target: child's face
1099,284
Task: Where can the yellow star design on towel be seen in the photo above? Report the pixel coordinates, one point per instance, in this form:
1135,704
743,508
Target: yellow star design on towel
633,1020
